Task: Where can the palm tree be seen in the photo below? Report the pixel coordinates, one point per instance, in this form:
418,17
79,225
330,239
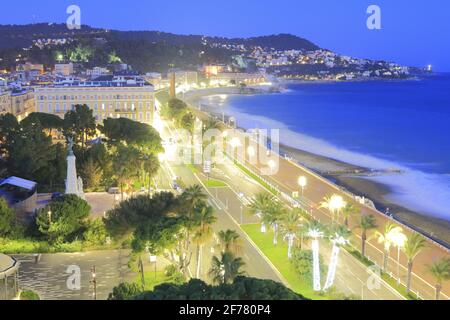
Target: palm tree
226,269
272,218
366,223
334,203
349,210
205,217
193,196
339,237
385,238
261,206
229,241
441,272
413,245
290,224
315,231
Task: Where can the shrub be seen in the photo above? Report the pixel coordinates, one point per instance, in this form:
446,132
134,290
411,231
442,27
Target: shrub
302,261
95,233
29,295
125,291
63,218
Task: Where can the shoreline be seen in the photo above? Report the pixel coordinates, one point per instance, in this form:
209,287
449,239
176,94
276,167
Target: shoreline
347,176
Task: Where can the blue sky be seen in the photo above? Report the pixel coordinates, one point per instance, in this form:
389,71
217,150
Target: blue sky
413,32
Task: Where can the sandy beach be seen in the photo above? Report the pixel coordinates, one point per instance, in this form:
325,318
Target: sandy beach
346,175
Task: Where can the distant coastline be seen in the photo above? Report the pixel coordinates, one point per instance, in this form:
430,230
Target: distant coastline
347,176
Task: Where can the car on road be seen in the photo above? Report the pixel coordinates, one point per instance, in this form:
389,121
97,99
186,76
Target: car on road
176,186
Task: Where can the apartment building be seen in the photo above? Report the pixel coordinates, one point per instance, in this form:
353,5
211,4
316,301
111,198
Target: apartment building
18,103
108,96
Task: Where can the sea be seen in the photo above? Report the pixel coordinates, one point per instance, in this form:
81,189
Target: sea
384,125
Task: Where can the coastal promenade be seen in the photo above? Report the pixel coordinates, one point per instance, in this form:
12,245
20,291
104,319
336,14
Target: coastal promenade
285,180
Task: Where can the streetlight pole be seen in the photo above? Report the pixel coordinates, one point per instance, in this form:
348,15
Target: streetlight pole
398,265
302,182
94,282
242,216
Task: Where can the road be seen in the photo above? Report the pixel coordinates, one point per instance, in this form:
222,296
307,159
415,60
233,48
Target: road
230,204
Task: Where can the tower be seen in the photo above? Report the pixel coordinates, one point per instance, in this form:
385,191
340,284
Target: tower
173,93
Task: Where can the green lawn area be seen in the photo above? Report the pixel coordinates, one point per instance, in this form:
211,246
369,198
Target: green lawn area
256,178
211,183
278,256
152,281
192,168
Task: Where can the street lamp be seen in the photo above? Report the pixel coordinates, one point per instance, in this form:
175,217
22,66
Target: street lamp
271,165
242,216
49,214
94,282
302,183
235,142
336,204
398,239
153,259
161,157
251,151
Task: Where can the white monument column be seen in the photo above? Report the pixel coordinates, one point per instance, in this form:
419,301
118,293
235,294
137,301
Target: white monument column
73,182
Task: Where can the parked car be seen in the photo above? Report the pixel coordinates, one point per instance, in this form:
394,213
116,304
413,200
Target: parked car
56,195
114,190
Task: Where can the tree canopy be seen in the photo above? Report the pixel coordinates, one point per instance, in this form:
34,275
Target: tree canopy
63,217
243,288
6,218
79,124
140,135
29,153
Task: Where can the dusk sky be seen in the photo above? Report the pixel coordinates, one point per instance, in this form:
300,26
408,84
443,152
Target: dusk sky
413,32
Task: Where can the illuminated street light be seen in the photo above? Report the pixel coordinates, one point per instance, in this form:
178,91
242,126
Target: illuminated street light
302,183
161,157
235,142
271,165
251,151
398,239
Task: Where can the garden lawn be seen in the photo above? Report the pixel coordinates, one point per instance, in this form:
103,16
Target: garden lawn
278,256
211,183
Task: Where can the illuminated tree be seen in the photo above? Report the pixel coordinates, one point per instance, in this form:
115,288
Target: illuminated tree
290,224
385,238
261,206
339,237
